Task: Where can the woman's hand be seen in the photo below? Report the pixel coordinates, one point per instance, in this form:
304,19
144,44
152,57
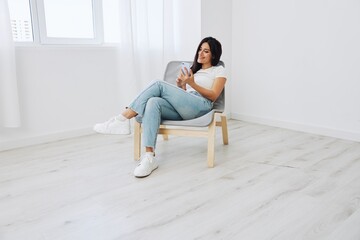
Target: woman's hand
185,77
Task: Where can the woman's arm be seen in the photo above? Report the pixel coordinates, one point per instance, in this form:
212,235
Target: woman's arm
211,94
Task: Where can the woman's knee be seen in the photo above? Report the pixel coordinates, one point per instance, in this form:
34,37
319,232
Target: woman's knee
154,103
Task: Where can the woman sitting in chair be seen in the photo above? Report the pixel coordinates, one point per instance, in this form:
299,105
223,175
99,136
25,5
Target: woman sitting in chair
193,97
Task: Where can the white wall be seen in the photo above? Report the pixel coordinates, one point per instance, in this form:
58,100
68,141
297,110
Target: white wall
216,21
296,65
63,91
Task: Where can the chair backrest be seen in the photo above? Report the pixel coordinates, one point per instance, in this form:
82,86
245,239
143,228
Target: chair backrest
171,72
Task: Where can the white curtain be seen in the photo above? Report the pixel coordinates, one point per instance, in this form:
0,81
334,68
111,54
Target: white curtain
9,103
154,32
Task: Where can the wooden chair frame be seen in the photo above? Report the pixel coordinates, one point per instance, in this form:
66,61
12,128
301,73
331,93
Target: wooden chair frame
207,132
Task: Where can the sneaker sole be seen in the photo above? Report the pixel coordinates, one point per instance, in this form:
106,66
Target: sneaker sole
148,174
113,132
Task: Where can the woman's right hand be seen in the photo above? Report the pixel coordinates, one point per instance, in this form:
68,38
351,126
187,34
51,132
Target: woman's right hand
180,83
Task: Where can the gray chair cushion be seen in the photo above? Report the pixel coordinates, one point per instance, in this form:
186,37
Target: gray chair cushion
202,121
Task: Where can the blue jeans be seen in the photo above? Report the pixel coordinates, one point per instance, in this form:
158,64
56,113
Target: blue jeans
165,101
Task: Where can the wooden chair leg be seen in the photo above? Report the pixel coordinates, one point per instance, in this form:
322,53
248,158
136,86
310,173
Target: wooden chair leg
211,143
137,140
165,136
224,129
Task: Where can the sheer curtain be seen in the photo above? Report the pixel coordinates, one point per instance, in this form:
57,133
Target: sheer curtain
153,33
9,104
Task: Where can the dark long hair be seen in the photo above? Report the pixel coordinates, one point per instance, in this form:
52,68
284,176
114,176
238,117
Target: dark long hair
216,51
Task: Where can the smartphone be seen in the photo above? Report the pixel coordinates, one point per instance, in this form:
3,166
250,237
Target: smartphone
185,65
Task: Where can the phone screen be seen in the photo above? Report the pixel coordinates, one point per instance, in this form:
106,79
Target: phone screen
185,65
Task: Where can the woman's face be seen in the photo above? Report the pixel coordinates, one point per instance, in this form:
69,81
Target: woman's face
204,54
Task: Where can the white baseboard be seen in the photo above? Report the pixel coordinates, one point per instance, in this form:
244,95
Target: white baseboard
352,136
25,142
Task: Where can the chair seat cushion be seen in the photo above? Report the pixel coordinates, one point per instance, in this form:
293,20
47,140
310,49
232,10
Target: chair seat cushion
202,121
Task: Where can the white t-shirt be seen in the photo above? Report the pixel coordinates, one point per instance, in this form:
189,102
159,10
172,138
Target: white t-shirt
206,77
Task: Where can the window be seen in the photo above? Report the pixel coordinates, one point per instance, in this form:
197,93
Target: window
77,23
57,22
69,21
21,23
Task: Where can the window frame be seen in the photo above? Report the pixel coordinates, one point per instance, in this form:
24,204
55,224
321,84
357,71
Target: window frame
37,13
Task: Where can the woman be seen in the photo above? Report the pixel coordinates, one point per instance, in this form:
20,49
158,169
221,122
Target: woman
193,97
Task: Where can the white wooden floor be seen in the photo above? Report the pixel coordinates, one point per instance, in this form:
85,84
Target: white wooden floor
268,183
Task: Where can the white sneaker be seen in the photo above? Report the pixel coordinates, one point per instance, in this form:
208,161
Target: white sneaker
113,126
147,164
